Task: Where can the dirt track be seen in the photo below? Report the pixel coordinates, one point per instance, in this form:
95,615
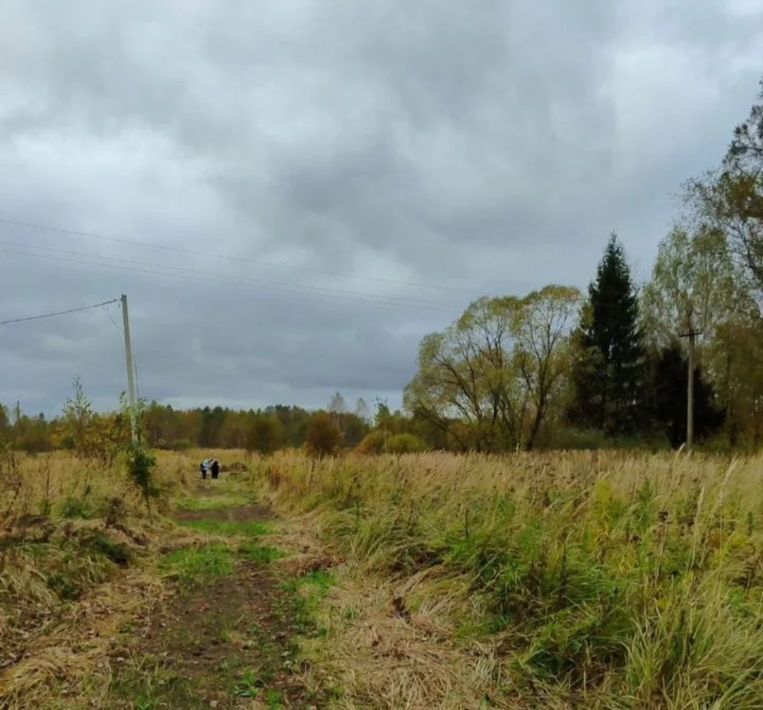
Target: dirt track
225,645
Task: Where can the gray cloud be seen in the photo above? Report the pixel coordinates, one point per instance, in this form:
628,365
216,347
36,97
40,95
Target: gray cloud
487,147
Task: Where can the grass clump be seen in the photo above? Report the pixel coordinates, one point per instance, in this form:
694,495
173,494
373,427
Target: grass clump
148,685
263,554
77,507
117,552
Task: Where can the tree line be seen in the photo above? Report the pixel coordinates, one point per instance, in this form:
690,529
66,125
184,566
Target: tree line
91,434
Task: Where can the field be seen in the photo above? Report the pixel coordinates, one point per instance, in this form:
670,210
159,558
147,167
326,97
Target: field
431,580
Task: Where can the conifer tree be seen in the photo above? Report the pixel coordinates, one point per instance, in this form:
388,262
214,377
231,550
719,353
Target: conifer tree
609,370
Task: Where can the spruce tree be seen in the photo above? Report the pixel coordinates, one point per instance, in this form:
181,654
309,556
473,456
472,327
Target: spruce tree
670,369
609,370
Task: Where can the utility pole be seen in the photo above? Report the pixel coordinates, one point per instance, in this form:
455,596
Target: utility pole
691,334
131,399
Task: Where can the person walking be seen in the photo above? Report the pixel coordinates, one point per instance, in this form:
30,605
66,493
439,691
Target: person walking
215,468
204,467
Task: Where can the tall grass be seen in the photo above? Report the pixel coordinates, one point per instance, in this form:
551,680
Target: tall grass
609,579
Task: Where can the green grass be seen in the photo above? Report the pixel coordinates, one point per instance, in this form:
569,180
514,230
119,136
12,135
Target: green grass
222,500
303,597
250,685
197,566
263,554
274,699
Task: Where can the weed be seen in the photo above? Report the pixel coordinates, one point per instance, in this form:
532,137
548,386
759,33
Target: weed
249,685
274,699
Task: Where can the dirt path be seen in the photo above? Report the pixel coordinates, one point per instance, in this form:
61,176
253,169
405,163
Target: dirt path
236,514
224,640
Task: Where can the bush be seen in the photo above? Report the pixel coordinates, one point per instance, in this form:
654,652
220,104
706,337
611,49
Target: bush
372,443
140,465
323,435
405,444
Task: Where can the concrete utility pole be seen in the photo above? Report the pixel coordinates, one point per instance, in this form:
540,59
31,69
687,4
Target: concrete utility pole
691,334
131,399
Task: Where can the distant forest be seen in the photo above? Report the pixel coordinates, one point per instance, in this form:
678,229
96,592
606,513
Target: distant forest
553,369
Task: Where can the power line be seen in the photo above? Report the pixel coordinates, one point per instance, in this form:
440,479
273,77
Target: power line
237,259
230,281
187,271
59,313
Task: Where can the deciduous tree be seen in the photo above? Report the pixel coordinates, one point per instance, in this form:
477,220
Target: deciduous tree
694,286
731,198
497,369
265,434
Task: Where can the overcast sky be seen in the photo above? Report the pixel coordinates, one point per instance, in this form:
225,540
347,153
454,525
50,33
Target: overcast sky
331,180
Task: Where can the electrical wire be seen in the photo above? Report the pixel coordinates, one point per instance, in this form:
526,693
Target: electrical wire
59,313
220,275
230,281
236,259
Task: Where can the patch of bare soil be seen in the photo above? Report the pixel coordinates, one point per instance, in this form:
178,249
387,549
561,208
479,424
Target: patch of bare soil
225,645
238,514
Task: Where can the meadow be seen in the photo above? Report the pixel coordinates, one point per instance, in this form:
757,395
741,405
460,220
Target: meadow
580,579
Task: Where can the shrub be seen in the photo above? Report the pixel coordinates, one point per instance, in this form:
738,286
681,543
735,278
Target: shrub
405,444
323,435
372,443
140,464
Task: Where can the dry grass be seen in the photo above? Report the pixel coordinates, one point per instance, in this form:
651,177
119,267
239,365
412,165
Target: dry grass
77,556
600,580
81,563
69,657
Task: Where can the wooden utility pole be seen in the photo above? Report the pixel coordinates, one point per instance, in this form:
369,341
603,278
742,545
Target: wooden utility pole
131,399
691,334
